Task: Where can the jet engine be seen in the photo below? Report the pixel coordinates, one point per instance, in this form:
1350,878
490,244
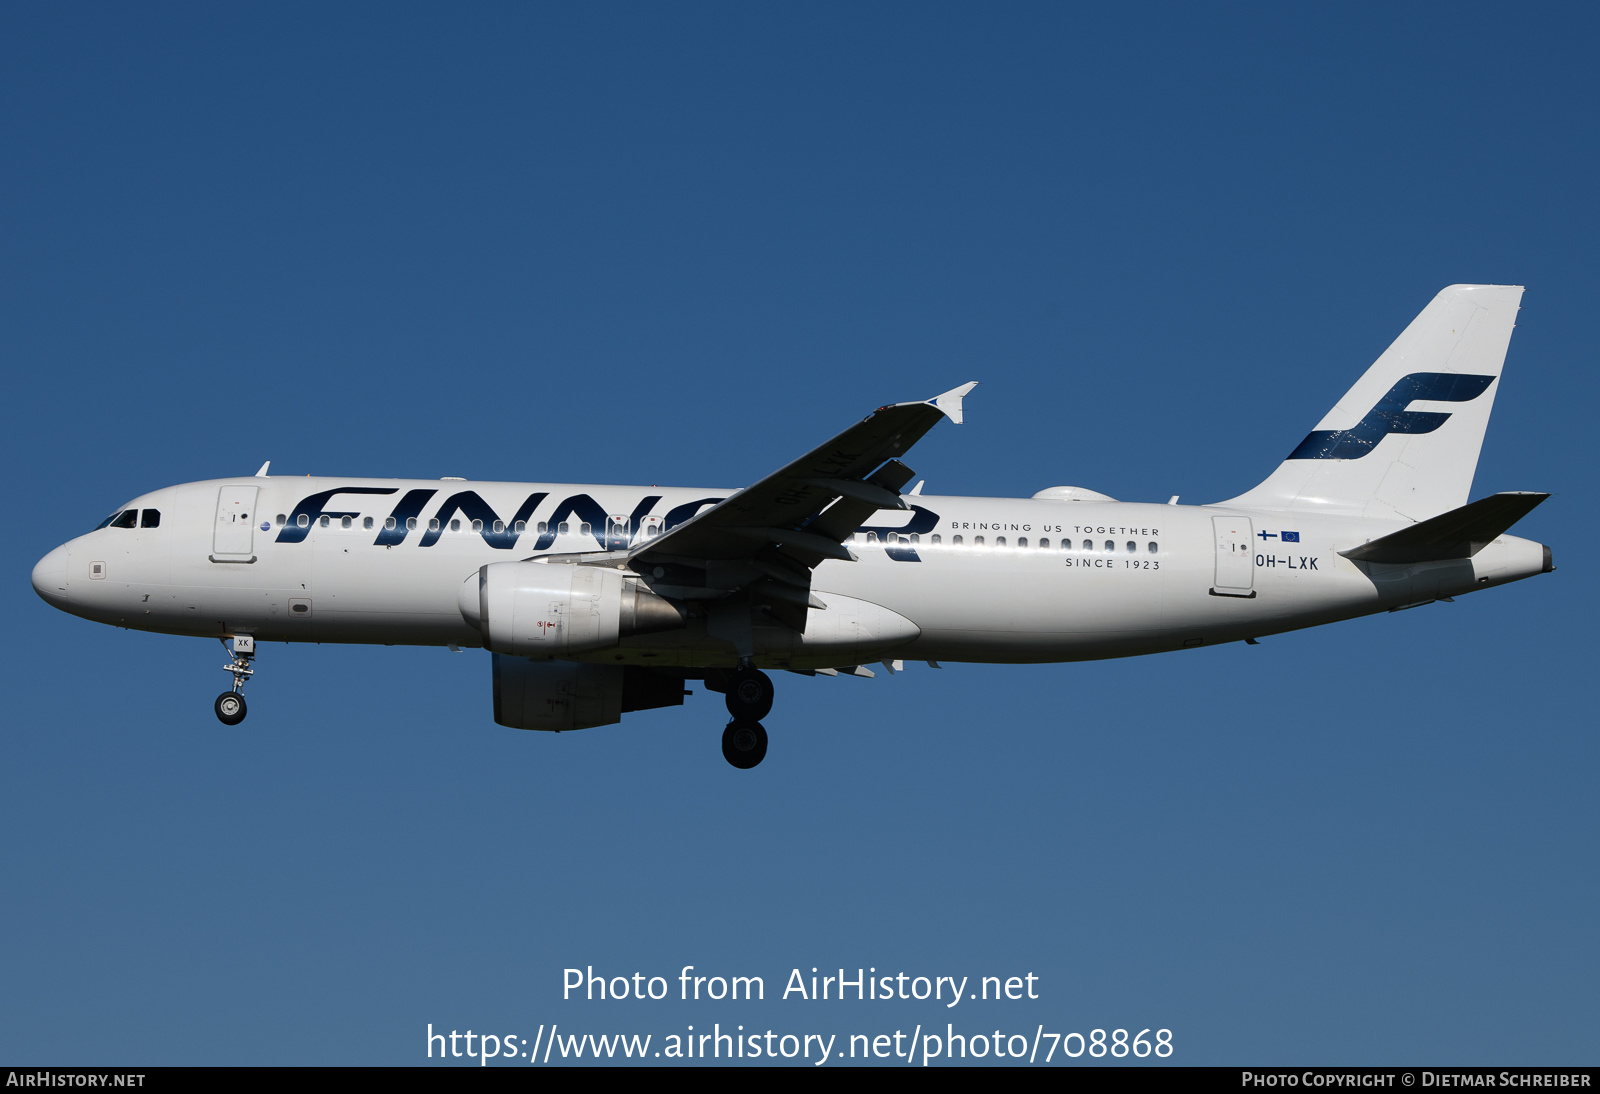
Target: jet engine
538,609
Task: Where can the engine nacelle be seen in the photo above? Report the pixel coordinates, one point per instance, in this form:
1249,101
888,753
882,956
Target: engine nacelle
536,609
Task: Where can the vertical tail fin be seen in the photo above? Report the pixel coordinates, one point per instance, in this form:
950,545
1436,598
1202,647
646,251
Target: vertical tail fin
1403,443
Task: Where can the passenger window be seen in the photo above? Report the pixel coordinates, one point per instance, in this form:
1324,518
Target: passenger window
150,519
455,525
520,527
562,528
1044,544
655,530
955,541
543,527
1133,548
584,529
872,537
388,524
977,541
1088,545
433,524
411,524
1022,541
302,521
281,520
344,522
999,541
935,539
128,518
323,520
499,526
477,526
915,538
1111,545
1152,546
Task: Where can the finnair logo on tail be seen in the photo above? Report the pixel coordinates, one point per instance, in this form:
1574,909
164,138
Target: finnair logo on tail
1391,415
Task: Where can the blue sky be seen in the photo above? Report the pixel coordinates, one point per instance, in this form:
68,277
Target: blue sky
682,244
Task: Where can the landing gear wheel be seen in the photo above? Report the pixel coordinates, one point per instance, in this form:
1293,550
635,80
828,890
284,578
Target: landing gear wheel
231,709
744,744
230,704
749,695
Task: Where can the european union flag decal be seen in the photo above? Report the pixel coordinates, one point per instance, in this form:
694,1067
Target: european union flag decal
1291,537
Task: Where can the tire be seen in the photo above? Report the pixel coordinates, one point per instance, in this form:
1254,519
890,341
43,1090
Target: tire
750,695
230,708
744,744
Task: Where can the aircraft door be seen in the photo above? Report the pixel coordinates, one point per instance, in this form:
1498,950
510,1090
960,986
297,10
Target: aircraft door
234,534
1235,566
618,534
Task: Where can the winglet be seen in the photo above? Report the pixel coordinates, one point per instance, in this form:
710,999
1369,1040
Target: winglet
262,474
950,401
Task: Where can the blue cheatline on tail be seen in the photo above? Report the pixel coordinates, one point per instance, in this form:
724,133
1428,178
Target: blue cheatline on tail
1391,415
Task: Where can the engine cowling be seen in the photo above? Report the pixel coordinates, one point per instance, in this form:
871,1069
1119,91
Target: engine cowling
536,609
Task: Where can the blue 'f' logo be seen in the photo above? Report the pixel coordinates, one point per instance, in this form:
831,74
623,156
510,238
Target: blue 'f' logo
1391,415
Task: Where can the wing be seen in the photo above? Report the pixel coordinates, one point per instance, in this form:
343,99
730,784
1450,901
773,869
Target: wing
768,537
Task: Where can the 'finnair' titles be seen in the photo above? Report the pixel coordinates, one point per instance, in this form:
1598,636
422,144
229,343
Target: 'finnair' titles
595,601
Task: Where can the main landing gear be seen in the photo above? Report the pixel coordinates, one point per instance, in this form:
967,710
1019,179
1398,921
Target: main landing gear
230,705
744,741
749,694
744,744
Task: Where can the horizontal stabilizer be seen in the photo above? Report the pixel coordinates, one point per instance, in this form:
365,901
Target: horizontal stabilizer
1460,533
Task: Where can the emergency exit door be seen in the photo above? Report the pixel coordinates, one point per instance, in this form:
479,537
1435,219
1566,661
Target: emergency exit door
619,533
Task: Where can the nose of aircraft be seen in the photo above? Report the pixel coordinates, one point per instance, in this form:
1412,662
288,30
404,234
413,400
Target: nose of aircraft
50,577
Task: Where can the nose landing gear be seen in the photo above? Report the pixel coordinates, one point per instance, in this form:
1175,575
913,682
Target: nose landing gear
230,706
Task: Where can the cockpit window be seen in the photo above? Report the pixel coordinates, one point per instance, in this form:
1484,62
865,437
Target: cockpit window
128,518
151,518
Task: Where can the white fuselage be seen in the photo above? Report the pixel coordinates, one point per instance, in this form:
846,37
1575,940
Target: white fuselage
969,579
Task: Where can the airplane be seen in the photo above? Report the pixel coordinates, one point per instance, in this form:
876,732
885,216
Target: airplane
597,601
